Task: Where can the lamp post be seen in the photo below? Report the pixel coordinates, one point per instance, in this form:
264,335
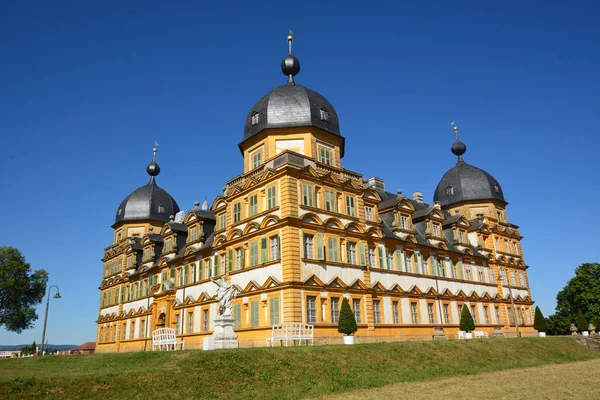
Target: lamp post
512,301
56,296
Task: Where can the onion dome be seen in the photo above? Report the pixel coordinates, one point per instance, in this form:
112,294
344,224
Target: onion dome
148,202
465,182
291,105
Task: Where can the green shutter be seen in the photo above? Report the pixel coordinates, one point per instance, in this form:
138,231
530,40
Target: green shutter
381,257
460,269
186,274
264,254
320,255
242,262
254,313
238,316
230,259
274,310
200,270
361,255
279,248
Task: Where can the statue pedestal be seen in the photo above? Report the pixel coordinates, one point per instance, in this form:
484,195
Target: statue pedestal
438,333
224,337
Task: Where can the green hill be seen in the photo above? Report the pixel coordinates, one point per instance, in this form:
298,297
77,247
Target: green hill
280,373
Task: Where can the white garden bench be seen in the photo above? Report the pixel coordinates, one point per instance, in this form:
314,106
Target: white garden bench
165,337
291,331
480,334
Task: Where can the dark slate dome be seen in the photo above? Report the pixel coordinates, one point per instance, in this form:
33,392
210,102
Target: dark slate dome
148,202
466,182
290,106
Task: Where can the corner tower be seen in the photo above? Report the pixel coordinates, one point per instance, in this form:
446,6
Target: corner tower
291,117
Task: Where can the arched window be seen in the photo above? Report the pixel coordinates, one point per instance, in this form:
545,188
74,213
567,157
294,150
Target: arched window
161,209
255,118
324,114
449,191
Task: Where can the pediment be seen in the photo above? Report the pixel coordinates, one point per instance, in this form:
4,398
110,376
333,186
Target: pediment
271,282
313,280
336,282
358,284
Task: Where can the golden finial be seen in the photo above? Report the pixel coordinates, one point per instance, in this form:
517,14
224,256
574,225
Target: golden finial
454,128
290,38
154,150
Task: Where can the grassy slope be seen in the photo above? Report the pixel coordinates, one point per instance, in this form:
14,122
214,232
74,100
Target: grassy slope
262,373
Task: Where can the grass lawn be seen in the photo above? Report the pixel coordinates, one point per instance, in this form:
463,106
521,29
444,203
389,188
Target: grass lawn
280,373
569,381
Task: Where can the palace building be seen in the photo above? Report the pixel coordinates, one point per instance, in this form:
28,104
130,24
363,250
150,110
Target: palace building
296,233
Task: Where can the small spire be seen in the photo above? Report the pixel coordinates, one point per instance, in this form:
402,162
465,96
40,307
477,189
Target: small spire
205,205
458,147
290,66
153,169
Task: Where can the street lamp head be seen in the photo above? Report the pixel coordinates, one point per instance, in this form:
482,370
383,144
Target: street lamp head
57,295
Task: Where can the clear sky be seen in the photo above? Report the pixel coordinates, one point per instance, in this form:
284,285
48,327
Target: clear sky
88,86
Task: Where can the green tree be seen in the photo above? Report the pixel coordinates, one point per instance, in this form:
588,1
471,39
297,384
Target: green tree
347,322
540,324
580,322
582,292
20,290
466,320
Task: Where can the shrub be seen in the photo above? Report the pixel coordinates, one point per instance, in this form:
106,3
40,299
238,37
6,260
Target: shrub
580,322
347,322
540,324
466,320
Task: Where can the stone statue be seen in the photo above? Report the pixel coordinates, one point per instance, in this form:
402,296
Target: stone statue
573,329
592,329
225,294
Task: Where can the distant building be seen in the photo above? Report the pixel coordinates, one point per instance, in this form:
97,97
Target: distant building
86,348
296,233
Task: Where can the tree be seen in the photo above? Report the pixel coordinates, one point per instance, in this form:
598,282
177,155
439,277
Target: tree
466,320
347,322
20,290
582,292
540,324
581,322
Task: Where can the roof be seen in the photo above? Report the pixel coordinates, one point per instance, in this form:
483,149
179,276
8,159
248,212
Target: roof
291,106
86,346
466,182
145,203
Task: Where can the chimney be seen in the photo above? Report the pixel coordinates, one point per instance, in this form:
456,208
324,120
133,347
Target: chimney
418,197
377,183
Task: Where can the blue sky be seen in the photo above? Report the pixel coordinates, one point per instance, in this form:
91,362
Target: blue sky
87,87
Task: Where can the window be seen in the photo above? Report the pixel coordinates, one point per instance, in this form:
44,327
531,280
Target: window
497,312
205,320
408,263
332,249
414,314
255,118
390,259
143,328
335,310
132,330
372,261
486,316
307,195
237,212
168,245
161,209
324,114
254,320
256,159
193,234
237,313
272,197
511,316
325,156
436,230
239,258
491,274
330,201
481,276
496,244
274,310
351,252
190,322
368,213
468,272
515,249
461,236
253,253
431,313
380,257
356,309
441,267
308,247
223,221
350,206
223,263
403,222
513,279
446,314
376,312
274,248
497,188
253,205
449,191
311,309
124,332
395,312
474,314
522,279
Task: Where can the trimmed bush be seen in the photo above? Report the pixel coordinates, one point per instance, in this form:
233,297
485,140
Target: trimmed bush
347,322
466,320
540,324
581,322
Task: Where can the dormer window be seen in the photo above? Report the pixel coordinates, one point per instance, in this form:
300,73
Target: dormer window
449,191
120,212
497,188
404,222
461,236
162,209
436,230
255,118
324,114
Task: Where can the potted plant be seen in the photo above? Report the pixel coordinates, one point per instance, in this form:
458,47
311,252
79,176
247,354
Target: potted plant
581,323
466,322
540,324
347,322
